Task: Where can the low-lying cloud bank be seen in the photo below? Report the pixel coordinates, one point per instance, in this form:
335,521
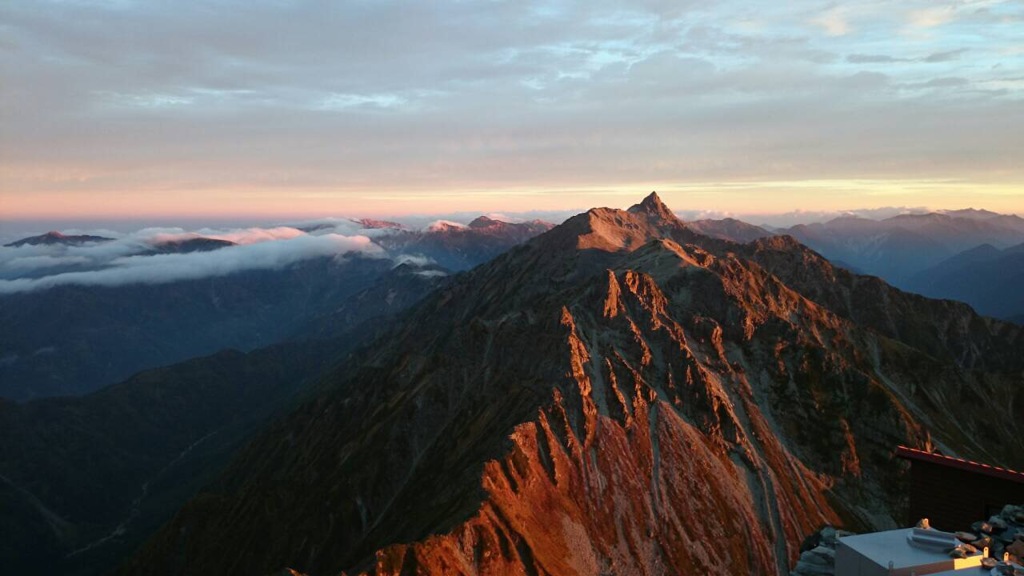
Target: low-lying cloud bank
244,236
119,262
139,257
129,257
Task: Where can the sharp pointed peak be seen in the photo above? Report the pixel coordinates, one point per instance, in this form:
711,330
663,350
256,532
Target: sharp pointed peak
653,206
652,200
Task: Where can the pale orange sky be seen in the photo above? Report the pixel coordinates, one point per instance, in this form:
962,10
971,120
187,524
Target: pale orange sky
380,109
737,199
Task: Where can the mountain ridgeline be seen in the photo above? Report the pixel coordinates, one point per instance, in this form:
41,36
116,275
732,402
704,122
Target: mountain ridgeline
901,247
619,395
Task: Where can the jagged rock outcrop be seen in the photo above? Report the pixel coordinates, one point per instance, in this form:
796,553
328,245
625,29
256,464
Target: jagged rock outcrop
1002,534
621,395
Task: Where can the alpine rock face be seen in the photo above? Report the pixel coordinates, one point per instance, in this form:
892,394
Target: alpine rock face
620,395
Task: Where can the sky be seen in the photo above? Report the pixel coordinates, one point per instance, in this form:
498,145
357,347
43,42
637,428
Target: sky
274,109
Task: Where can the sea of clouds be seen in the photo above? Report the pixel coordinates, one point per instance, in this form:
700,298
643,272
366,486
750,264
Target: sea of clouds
125,259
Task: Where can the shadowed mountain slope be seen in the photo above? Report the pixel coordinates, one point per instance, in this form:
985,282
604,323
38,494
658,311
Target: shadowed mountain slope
84,480
985,277
620,395
73,339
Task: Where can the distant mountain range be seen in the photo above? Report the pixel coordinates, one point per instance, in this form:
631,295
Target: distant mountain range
73,338
974,256
900,247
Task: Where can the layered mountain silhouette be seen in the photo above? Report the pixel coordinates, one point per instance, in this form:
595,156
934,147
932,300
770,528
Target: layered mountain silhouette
899,247
987,278
619,395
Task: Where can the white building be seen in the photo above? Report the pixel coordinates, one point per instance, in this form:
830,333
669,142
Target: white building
906,552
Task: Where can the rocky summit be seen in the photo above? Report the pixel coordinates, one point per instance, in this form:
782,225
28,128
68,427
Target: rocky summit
619,395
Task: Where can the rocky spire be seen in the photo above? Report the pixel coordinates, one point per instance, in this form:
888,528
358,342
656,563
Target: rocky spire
654,208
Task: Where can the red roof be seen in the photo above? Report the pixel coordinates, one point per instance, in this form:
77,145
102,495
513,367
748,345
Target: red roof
959,463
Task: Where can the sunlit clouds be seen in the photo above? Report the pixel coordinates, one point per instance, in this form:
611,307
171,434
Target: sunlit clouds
301,109
130,259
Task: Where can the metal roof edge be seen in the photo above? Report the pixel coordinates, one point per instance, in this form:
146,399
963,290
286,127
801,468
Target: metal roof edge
959,463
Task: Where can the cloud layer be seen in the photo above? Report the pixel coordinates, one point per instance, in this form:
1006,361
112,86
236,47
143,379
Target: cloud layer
119,262
302,105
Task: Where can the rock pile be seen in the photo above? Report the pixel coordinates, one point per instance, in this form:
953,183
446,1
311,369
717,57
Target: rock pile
1003,535
818,553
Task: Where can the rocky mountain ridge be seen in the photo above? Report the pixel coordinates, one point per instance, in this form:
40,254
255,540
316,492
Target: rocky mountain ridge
618,395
